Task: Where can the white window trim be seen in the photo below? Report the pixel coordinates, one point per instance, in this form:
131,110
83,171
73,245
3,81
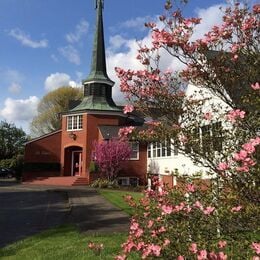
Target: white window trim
155,148
138,152
77,129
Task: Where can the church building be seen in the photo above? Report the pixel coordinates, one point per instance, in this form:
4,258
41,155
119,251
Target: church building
64,157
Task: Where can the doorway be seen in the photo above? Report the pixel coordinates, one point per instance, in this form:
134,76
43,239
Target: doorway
76,163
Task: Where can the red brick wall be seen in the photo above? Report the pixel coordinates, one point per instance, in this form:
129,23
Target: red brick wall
67,141
168,179
44,150
52,148
137,168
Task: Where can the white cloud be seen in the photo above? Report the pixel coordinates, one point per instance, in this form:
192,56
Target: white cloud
15,88
116,42
136,23
17,110
26,40
210,17
80,30
122,52
71,54
57,80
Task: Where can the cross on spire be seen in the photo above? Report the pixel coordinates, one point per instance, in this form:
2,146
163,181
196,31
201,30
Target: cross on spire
100,3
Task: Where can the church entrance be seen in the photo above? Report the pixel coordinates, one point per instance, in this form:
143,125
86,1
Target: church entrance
76,163
73,161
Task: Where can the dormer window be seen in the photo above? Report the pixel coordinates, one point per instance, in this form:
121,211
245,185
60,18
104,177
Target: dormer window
74,122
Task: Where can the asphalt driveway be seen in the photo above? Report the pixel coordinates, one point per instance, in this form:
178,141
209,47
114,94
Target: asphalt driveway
26,211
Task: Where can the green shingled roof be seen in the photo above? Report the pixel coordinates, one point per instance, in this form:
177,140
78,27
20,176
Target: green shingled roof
95,103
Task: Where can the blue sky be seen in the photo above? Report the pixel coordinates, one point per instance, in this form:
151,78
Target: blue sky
47,43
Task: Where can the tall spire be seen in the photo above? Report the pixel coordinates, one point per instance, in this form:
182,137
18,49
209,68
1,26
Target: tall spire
98,71
98,86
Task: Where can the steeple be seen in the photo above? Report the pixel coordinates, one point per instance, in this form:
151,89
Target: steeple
98,86
98,68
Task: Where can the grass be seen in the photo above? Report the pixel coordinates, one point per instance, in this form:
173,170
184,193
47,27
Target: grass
117,198
67,243
63,243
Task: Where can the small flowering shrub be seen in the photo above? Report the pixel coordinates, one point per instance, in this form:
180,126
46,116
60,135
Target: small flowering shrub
109,156
190,223
96,248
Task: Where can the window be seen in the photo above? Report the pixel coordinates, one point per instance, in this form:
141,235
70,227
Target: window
74,122
135,150
217,139
149,153
206,138
157,150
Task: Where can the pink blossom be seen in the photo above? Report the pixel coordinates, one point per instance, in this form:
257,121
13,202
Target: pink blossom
162,229
166,242
139,232
190,188
256,247
188,209
180,257
183,138
233,115
222,256
208,116
198,205
249,147
193,248
150,223
120,257
213,256
128,109
202,255
151,249
222,244
242,169
208,210
256,257
167,209
223,166
255,86
140,245
180,207
241,155
91,245
128,246
134,226
236,209
125,131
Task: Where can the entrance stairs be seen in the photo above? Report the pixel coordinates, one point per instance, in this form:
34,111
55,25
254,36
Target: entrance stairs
59,181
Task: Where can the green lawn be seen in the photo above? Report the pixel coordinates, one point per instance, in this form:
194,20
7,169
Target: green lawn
67,243
117,198
62,243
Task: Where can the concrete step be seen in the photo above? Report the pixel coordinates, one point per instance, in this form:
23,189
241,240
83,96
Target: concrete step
59,181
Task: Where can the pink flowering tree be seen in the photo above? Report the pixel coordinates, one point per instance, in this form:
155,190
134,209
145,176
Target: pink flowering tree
193,221
181,224
109,156
225,63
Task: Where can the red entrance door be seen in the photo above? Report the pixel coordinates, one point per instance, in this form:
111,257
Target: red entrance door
76,167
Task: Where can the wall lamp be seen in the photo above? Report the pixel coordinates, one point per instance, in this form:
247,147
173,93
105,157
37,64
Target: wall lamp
72,136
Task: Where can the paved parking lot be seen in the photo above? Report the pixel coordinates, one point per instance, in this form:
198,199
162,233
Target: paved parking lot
26,211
